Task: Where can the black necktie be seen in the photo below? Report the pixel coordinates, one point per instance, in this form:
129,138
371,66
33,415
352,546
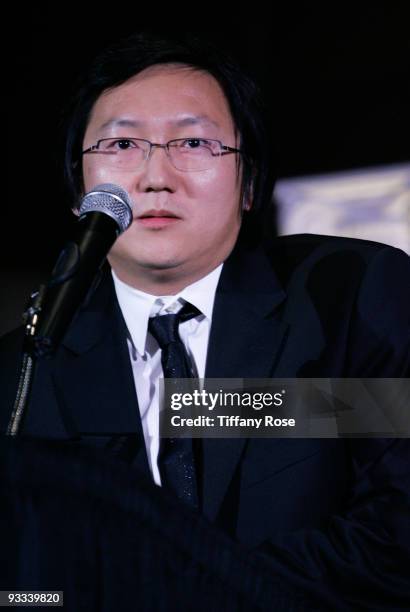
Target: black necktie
175,458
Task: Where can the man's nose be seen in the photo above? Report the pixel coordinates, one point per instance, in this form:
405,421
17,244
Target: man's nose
157,172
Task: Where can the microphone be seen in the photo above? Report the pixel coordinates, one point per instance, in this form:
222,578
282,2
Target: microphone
105,212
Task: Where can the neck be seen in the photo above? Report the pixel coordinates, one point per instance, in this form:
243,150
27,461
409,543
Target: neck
160,282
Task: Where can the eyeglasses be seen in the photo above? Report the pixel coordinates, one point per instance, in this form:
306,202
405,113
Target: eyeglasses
186,154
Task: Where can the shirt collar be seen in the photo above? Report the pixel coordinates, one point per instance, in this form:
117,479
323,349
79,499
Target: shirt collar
137,306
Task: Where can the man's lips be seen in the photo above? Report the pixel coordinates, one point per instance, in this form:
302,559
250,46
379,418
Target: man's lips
157,218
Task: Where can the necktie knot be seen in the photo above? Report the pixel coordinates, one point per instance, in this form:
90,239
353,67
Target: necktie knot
164,328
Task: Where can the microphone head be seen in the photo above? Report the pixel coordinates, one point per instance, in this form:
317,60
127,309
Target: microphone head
110,199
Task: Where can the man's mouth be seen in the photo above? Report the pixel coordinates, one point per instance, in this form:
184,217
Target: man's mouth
157,218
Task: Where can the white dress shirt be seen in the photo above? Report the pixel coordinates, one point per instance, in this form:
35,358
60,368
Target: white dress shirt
145,355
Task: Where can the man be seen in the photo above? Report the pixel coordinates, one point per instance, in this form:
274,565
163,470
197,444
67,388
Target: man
180,128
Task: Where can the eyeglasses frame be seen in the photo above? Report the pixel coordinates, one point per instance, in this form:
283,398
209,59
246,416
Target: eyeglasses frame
225,149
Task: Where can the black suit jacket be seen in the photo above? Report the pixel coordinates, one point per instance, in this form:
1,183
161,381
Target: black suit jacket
330,515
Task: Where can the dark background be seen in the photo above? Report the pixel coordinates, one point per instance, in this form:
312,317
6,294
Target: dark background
337,80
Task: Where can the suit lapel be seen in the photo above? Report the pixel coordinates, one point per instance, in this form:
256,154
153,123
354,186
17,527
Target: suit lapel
246,335
246,338
93,377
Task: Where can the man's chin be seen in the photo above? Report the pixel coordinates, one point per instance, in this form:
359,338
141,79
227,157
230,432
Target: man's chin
153,265
160,265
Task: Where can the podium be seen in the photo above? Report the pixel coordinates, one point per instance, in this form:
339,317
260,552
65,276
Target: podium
73,519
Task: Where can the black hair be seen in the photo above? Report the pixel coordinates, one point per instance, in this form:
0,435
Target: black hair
126,58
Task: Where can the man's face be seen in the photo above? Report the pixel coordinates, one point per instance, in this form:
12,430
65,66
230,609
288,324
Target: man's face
160,104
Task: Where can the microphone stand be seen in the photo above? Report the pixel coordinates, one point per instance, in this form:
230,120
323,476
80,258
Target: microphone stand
28,363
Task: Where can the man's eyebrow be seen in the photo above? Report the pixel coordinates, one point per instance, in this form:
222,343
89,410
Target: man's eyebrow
195,120
119,122
136,123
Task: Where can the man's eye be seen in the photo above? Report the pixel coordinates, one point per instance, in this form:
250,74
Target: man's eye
194,143
119,144
124,144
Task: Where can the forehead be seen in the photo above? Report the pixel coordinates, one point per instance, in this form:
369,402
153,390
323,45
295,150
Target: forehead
164,95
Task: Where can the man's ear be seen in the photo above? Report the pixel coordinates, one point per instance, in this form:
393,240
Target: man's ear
247,198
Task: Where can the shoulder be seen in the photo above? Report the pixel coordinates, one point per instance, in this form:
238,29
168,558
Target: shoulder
331,254
360,289
373,275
